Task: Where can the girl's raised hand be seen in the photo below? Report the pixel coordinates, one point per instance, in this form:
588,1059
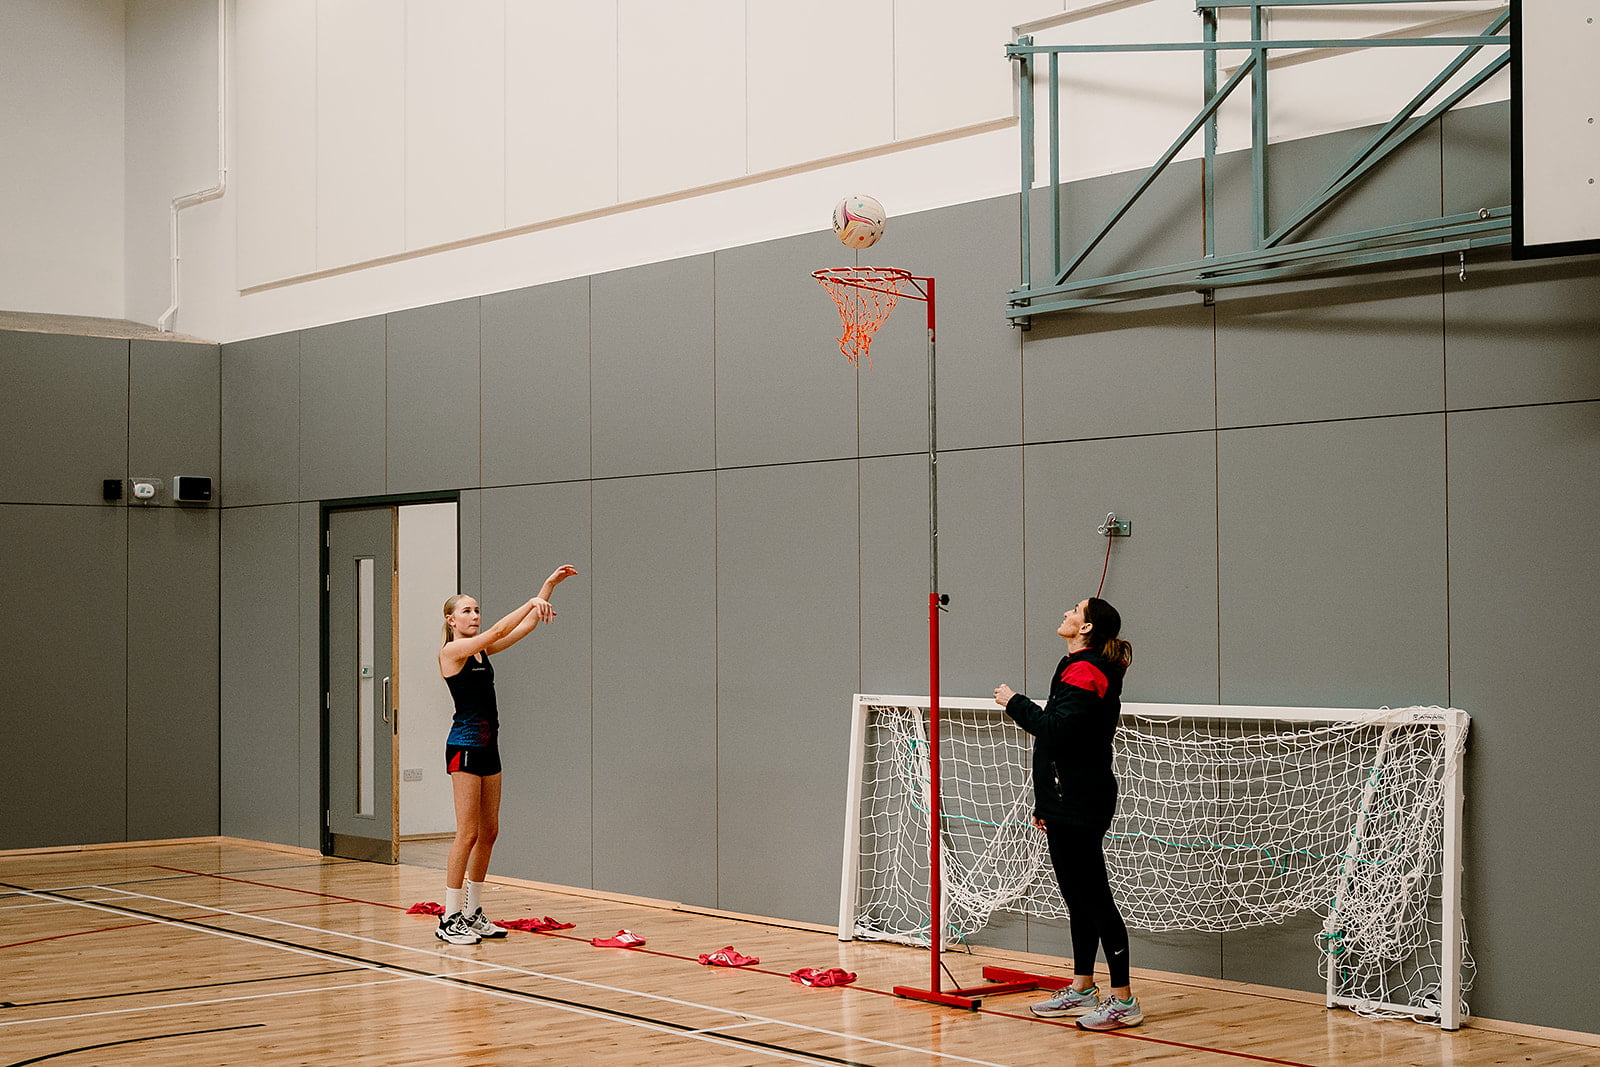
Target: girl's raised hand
562,573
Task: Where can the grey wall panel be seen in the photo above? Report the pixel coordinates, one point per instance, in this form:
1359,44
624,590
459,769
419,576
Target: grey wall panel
787,635
342,410
1007,931
1332,559
469,539
309,712
260,769
783,391
173,671
1477,146
653,362
1162,579
536,384
980,569
893,584
1284,955
1162,227
981,552
892,392
1523,633
68,698
970,251
174,411
1524,333
542,683
1293,356
1177,953
261,421
1404,187
65,406
655,694
1053,937
1100,374
1514,333
433,398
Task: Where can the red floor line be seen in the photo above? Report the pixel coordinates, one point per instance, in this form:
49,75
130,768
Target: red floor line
284,888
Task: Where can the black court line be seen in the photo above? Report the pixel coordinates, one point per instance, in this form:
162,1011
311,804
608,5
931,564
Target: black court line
177,988
693,1032
131,1041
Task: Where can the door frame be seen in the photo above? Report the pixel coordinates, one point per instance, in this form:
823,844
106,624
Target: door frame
324,676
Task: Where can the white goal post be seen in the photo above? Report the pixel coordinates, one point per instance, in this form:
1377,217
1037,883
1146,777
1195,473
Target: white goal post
1228,817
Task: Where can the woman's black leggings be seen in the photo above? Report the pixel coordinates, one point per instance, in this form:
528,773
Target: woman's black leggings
1078,855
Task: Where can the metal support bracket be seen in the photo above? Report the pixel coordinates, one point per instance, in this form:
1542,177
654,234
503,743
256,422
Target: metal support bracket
1272,256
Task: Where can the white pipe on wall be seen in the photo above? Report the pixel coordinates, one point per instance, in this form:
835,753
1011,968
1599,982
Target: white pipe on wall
191,199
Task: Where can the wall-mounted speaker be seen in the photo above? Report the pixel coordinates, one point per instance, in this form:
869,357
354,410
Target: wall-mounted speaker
191,489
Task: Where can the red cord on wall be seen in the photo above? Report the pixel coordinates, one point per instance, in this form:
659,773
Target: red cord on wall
1106,568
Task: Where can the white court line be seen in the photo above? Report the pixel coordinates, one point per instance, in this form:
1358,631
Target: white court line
51,903
701,1035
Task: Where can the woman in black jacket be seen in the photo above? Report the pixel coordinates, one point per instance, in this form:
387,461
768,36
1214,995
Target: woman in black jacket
1075,796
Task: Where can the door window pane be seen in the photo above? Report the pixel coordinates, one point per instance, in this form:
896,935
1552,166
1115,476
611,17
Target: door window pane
366,688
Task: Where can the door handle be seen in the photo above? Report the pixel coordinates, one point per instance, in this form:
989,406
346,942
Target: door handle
387,706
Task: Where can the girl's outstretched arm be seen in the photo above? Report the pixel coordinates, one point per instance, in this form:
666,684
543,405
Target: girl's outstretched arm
458,651
557,576
527,625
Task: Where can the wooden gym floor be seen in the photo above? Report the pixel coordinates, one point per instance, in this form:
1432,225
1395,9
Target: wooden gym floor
226,952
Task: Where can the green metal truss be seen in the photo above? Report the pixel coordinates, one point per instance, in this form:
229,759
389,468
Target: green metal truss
1272,255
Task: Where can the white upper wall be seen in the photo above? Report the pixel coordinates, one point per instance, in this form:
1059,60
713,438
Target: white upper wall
61,177
385,155
171,144
369,130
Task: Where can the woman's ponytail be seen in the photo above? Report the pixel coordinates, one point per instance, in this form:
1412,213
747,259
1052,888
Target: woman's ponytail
1117,651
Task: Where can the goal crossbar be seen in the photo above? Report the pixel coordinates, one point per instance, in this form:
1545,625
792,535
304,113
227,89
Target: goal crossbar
1204,787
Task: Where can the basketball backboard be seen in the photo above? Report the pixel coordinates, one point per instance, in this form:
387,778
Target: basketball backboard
1555,127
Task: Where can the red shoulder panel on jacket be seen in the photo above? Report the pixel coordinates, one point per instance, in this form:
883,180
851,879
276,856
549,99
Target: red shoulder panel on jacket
1083,675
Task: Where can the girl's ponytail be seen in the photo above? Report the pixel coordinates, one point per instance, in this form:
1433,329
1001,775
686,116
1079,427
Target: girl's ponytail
450,606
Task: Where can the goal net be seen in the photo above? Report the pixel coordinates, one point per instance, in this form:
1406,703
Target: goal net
1228,818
